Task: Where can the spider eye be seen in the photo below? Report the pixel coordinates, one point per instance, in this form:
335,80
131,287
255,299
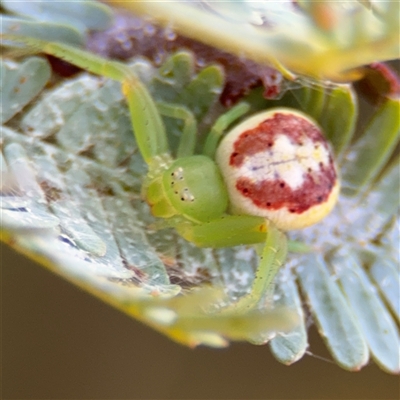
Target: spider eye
278,165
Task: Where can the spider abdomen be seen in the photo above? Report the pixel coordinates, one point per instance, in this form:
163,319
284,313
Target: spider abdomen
278,165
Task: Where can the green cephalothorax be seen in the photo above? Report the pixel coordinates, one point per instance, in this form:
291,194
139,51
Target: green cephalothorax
191,187
195,188
272,171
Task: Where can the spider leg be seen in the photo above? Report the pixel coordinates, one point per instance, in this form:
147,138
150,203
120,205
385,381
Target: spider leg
233,230
272,256
220,127
146,121
187,141
226,231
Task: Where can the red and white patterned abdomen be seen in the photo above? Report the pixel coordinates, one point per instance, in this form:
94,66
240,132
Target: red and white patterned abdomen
278,165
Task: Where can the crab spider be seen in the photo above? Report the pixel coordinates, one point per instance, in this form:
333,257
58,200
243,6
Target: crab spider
271,173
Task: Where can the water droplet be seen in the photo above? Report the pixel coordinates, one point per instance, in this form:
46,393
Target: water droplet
200,62
169,34
121,37
149,30
127,45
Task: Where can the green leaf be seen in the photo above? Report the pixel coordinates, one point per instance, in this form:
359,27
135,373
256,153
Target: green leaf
40,30
386,275
20,84
332,314
374,319
323,40
340,116
290,346
373,149
82,15
29,211
383,198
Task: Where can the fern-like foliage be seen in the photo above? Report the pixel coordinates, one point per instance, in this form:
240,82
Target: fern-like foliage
70,199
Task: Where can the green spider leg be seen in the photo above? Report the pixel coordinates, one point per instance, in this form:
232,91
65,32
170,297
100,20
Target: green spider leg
272,255
220,127
189,138
147,124
187,141
232,230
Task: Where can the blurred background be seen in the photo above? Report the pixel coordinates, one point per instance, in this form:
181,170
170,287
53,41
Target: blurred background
59,342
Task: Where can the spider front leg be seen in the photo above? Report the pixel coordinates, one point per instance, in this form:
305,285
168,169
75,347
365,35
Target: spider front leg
147,124
272,256
234,230
187,141
221,125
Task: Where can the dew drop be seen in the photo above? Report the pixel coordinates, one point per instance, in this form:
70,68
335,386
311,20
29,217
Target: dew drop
149,30
170,35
